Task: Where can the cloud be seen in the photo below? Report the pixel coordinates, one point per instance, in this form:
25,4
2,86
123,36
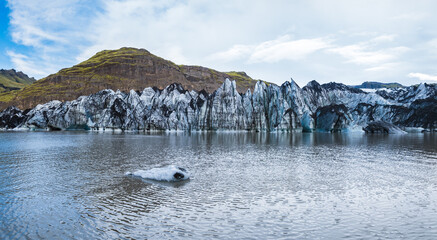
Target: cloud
366,53
162,27
383,38
423,76
315,41
383,67
234,53
51,31
176,54
272,51
430,47
433,43
360,55
23,63
411,16
284,49
46,23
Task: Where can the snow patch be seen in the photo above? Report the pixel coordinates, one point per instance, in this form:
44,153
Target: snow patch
372,90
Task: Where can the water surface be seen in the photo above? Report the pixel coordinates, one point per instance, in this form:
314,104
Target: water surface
57,185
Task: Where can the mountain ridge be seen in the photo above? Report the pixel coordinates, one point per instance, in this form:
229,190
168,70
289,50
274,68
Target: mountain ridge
377,85
124,69
12,80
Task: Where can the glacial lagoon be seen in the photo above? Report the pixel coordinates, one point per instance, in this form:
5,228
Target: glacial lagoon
72,185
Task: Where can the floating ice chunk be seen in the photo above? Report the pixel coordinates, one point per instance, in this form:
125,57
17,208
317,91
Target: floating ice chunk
169,173
383,127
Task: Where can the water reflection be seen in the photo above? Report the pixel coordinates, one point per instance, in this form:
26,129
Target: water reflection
244,185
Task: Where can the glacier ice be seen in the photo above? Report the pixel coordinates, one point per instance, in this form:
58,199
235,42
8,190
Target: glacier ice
328,107
170,173
382,127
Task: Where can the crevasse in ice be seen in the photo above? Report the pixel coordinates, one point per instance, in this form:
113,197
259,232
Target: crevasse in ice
326,107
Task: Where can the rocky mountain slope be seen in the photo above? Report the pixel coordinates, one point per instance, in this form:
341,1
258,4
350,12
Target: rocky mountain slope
376,85
13,80
123,69
329,107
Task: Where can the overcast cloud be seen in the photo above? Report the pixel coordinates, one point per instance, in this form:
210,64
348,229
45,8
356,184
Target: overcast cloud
342,41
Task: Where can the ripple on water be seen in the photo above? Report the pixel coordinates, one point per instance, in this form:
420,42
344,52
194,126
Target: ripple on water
272,186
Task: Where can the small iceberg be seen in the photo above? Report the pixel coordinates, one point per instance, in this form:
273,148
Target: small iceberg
383,127
169,173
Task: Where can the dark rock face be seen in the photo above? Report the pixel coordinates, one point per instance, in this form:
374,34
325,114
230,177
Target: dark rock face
382,127
268,108
11,117
339,86
17,76
332,118
422,112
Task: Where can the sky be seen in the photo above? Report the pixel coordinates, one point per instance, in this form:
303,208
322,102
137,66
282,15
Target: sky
325,40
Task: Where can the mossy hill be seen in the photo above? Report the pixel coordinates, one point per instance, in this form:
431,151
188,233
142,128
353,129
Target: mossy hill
13,80
124,69
376,85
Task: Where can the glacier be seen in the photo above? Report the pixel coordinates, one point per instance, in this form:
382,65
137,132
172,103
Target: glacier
330,107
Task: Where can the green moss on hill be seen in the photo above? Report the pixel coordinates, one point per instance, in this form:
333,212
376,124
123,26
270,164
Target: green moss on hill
124,69
13,80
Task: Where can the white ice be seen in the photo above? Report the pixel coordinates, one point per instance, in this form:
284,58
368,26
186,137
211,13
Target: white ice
169,173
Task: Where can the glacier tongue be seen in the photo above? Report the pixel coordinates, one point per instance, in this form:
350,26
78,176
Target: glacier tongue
328,107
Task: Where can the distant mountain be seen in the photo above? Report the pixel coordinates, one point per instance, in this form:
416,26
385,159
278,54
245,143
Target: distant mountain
123,69
13,80
376,85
